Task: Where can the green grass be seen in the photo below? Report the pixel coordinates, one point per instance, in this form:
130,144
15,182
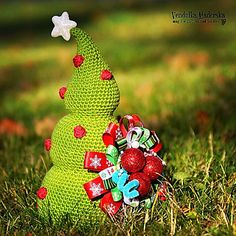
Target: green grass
179,78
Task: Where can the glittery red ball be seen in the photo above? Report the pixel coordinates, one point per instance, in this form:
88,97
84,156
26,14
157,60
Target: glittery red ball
47,144
79,131
62,92
144,183
133,160
78,60
153,167
42,193
106,75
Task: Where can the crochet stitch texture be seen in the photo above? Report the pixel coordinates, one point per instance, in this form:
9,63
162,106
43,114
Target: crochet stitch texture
91,102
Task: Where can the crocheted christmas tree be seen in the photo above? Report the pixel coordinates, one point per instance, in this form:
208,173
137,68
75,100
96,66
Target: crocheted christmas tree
91,97
88,140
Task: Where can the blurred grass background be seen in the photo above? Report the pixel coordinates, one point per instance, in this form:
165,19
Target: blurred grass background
180,78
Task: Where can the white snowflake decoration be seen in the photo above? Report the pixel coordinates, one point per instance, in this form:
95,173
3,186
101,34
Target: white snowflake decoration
62,26
96,189
110,208
95,162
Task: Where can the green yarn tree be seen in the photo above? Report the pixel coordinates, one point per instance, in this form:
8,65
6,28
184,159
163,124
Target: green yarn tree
91,97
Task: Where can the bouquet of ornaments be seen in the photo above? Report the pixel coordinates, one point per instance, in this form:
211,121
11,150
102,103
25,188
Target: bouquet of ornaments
130,171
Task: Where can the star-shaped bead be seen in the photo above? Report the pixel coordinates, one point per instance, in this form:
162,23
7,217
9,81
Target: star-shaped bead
62,26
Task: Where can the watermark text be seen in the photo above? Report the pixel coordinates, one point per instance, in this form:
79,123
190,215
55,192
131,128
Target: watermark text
198,17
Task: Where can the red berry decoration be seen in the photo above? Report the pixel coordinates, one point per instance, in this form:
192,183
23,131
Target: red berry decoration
162,192
79,131
62,92
47,144
133,160
106,75
78,60
144,183
42,193
153,167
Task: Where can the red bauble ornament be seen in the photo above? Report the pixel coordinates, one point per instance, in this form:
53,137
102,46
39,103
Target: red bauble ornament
62,92
106,75
153,167
47,144
133,160
78,60
144,183
42,193
79,131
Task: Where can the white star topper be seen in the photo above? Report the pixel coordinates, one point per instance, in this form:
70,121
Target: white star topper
63,25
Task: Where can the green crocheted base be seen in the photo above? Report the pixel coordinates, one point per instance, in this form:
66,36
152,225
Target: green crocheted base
64,181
